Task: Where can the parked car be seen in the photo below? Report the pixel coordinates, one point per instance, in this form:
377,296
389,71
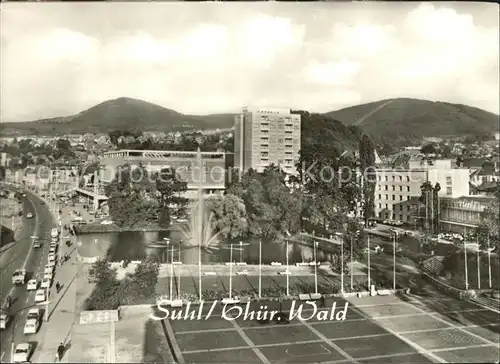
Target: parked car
46,283
47,276
4,320
29,215
32,322
22,353
53,250
40,296
37,244
48,269
32,285
51,257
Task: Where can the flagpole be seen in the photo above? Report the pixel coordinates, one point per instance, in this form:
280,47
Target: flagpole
260,268
171,273
352,282
489,262
394,261
466,273
478,267
287,272
342,265
315,270
231,272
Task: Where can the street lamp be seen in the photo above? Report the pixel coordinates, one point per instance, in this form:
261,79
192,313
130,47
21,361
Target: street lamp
231,271
466,272
241,251
478,268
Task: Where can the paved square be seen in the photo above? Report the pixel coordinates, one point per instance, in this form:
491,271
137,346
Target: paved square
443,339
301,353
373,332
280,334
210,340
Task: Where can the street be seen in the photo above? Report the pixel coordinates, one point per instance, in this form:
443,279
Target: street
33,260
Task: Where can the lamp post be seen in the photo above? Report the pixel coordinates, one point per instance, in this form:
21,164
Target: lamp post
178,275
341,235
315,269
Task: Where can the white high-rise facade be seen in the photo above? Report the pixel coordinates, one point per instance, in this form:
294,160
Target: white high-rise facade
266,136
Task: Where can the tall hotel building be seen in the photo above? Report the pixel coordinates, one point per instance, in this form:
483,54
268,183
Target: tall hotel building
266,136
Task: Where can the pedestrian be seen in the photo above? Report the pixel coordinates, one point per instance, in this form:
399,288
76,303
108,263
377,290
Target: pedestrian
9,301
58,286
60,351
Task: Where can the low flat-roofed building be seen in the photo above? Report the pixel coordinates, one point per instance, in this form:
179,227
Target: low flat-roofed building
186,164
462,214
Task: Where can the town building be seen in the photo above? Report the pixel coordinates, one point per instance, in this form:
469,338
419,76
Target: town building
212,177
267,136
463,214
396,186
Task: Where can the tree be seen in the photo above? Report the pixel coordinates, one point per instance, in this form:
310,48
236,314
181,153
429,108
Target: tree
429,148
170,189
2,173
229,215
142,282
132,197
367,165
101,272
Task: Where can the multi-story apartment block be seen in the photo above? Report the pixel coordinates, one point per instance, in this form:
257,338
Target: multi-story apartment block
266,136
397,186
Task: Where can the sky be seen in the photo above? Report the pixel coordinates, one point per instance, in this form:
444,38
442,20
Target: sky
58,59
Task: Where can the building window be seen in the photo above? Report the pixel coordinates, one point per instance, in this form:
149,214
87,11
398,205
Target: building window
393,197
386,178
449,191
394,216
393,178
379,196
400,188
394,188
407,188
386,206
407,178
379,187
448,180
386,197
400,198
379,205
400,178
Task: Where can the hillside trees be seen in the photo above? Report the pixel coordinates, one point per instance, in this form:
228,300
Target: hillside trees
367,165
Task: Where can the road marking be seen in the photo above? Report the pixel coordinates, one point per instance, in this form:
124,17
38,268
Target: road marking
1,356
27,298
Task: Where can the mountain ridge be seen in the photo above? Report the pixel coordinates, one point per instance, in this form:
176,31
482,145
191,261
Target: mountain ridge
388,120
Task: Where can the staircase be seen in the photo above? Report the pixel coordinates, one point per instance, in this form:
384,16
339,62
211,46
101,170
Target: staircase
488,302
434,265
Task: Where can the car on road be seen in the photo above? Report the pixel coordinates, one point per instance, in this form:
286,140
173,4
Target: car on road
48,276
52,250
37,244
40,296
19,276
32,285
51,257
4,320
48,269
22,353
51,263
29,215
53,245
32,322
46,282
